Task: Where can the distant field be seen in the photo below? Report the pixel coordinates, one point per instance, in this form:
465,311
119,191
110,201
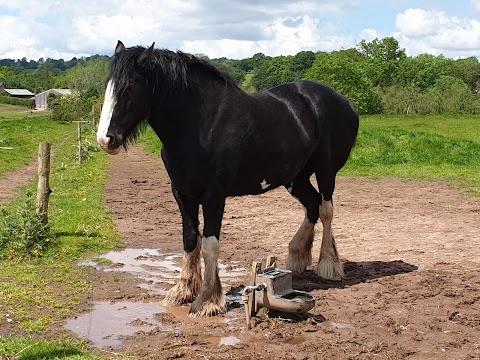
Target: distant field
23,132
419,147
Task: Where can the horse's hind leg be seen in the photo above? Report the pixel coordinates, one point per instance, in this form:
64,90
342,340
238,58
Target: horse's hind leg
188,287
300,247
329,265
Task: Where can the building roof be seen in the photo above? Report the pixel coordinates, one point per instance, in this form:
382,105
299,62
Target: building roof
56,92
19,92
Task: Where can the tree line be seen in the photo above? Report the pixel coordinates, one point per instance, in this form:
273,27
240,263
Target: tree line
377,76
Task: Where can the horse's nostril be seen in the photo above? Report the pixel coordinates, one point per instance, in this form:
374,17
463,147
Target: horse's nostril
111,139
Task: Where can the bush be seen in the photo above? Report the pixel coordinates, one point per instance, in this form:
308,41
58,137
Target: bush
16,101
22,232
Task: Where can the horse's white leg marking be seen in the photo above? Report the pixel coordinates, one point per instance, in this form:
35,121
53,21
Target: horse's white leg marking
211,299
106,116
264,184
329,265
300,248
190,281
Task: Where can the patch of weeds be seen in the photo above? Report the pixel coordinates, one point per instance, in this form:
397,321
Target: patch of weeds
22,232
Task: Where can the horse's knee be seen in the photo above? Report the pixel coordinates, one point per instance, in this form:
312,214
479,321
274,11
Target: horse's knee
210,248
326,211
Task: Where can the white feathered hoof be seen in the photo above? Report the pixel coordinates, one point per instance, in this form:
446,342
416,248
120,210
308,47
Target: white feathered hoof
330,270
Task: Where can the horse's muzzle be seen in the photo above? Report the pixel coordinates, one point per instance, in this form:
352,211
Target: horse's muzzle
111,144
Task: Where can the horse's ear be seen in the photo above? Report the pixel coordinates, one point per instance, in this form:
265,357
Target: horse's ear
147,54
120,47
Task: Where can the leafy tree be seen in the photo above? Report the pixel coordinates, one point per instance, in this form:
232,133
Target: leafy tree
348,77
451,95
422,70
381,59
253,63
43,77
88,78
68,108
273,72
301,63
231,68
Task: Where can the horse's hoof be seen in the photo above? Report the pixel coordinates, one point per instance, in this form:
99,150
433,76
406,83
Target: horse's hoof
297,267
180,294
206,309
330,270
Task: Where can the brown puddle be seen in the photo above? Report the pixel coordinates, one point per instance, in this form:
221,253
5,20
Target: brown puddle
109,323
154,267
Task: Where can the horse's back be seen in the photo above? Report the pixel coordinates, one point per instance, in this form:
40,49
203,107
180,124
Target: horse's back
336,118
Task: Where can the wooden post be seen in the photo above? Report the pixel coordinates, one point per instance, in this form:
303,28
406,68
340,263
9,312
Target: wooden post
43,189
79,138
79,142
94,121
271,261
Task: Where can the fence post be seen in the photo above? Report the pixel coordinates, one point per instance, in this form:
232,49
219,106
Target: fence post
79,138
43,189
79,124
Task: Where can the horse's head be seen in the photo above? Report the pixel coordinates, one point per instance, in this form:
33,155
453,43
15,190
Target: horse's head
127,98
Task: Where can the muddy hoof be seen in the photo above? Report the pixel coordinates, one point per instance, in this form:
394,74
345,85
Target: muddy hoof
180,294
206,309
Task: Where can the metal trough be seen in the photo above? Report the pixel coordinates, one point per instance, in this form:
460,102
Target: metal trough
272,289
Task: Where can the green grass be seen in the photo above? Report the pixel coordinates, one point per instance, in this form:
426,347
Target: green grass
24,133
151,142
429,148
32,349
37,294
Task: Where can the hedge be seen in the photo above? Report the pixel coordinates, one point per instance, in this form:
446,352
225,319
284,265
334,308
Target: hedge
16,101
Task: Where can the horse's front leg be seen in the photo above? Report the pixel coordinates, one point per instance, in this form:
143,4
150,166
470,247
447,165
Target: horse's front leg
186,290
211,300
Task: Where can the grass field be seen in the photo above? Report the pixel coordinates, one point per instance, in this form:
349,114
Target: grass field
434,148
36,293
23,133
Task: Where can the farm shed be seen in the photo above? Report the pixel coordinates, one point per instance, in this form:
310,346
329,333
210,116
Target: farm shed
19,93
41,99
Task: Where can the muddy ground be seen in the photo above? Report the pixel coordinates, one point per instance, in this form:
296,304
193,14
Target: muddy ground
412,286
412,261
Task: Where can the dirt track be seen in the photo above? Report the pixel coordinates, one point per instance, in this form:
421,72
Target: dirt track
412,253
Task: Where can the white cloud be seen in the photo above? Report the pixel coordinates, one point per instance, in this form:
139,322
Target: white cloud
285,36
418,22
434,32
235,28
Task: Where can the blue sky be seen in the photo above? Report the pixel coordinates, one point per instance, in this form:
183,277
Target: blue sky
235,29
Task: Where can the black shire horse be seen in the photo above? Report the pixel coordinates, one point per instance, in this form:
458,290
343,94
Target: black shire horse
219,141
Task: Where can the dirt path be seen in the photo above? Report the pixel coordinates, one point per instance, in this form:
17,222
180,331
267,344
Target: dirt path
412,253
11,183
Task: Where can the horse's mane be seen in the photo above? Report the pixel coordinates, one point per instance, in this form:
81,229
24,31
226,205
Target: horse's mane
171,66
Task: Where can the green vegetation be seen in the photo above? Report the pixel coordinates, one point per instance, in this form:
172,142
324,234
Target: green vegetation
419,147
22,232
151,142
15,101
31,349
24,133
41,290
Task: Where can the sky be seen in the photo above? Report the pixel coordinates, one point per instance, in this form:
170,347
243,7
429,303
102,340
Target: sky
235,29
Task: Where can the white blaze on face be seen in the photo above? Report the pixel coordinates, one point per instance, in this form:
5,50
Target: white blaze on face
107,111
